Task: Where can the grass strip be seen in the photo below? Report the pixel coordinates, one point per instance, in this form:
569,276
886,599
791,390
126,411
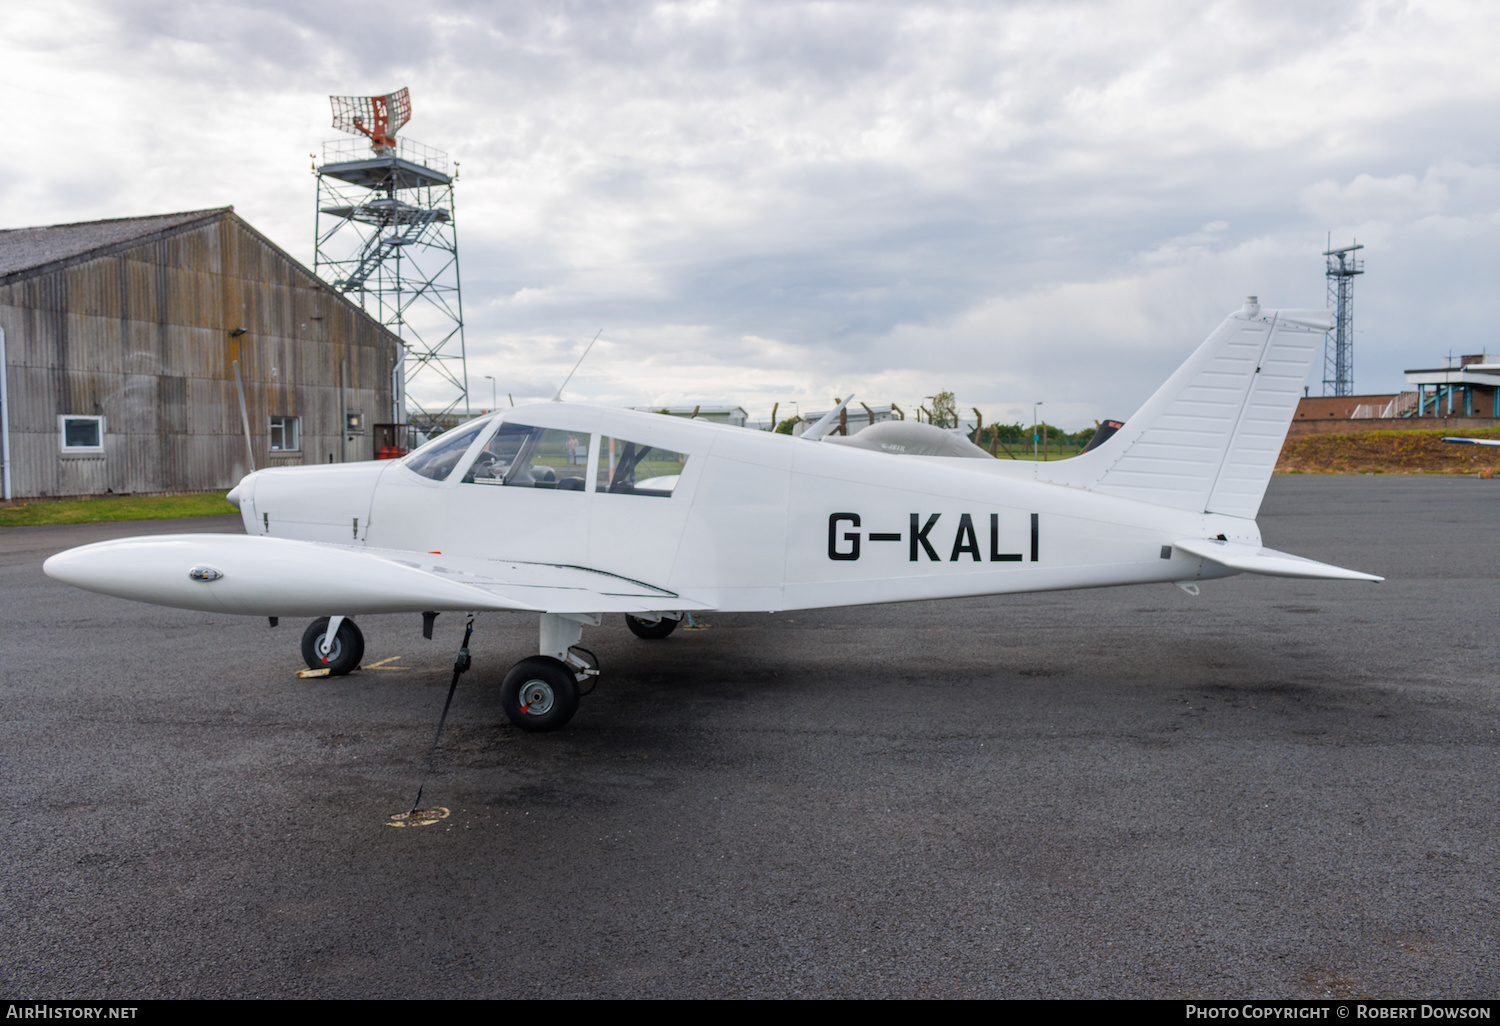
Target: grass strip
1388,452
113,508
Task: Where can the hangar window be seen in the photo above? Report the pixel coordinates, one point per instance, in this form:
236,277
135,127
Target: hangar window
522,456
81,434
438,457
632,468
286,434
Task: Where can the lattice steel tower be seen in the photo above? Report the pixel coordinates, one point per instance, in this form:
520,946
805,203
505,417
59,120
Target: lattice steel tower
386,236
1338,345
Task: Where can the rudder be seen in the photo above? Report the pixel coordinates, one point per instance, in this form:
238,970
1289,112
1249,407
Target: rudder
1208,439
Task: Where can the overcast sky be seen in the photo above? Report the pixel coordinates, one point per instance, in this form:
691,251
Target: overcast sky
762,202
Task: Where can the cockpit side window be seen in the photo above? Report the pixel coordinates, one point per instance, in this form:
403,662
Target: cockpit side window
522,456
438,457
633,468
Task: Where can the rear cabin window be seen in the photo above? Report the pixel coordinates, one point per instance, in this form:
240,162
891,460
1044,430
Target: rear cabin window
632,468
521,456
438,457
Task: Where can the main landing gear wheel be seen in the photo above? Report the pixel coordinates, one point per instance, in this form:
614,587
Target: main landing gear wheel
539,694
651,630
344,654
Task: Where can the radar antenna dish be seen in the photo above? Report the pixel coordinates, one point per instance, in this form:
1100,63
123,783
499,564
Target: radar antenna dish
378,117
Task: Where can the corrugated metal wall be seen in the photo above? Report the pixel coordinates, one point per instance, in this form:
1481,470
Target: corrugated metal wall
142,337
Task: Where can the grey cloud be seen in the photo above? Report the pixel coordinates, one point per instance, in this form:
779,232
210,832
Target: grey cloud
866,187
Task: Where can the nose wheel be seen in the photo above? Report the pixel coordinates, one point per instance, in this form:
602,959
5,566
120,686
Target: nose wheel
340,653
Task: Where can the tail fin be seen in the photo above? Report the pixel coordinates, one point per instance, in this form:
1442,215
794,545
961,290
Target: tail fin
1209,438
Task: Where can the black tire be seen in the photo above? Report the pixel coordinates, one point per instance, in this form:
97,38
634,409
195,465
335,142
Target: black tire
348,647
539,694
651,630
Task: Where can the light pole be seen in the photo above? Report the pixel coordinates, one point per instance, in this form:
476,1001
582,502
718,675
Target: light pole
1033,431
491,379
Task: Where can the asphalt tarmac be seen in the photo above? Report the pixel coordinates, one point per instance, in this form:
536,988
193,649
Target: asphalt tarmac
1275,789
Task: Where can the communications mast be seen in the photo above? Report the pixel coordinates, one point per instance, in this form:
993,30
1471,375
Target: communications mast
385,236
1338,345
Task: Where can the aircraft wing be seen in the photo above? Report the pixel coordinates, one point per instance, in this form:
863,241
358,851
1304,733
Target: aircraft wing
1474,441
261,576
1256,560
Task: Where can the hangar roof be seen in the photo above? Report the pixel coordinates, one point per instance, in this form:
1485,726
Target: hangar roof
26,251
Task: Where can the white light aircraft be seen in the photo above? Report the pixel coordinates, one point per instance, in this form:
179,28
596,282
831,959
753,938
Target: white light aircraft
574,511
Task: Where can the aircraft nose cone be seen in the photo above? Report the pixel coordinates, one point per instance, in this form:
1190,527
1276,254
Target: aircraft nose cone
243,490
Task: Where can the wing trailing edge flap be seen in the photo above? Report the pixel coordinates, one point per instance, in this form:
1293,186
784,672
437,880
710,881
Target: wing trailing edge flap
550,588
1257,560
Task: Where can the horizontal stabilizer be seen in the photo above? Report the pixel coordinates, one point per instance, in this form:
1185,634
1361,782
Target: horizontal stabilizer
1256,560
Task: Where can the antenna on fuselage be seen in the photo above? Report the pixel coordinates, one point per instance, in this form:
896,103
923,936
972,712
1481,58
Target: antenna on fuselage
825,424
558,397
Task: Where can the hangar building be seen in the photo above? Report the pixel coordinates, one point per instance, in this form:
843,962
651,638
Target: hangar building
119,342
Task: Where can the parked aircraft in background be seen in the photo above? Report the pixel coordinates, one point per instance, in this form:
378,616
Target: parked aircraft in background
573,512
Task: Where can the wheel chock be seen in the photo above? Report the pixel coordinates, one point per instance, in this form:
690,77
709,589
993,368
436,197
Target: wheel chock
417,817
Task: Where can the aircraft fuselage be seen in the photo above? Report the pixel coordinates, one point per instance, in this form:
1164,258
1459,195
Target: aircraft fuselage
753,521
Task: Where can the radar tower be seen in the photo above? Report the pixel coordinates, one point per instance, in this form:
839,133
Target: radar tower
1338,345
386,237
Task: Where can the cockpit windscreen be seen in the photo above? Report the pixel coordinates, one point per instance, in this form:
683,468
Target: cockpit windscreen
521,456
